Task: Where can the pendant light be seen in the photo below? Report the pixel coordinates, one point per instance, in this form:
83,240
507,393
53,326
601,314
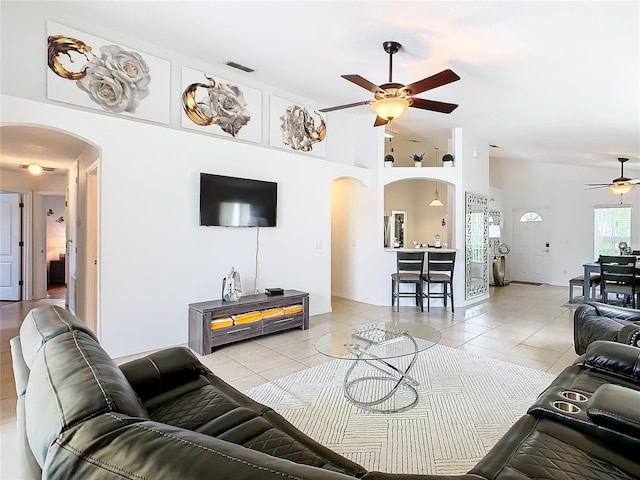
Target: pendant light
436,202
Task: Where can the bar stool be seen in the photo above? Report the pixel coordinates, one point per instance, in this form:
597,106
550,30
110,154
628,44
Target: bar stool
440,266
409,267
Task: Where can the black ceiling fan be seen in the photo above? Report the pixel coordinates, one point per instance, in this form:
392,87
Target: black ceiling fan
620,185
391,99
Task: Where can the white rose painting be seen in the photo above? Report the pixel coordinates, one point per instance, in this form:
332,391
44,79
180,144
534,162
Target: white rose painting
213,104
92,72
297,128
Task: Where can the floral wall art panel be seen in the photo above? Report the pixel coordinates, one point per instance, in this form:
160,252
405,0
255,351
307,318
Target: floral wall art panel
215,105
93,72
296,127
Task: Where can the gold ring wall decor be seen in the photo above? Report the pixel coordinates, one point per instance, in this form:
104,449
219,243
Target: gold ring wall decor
318,134
61,45
190,105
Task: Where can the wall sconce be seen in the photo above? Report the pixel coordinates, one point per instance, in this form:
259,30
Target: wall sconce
49,213
60,220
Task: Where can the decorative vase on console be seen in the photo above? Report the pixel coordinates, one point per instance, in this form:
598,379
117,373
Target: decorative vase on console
417,159
388,161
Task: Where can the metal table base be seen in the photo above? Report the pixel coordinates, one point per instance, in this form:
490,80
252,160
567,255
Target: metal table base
400,379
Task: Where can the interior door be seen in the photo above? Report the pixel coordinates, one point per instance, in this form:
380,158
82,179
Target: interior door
530,254
10,246
91,260
71,222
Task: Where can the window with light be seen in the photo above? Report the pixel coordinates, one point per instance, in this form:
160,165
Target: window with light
611,225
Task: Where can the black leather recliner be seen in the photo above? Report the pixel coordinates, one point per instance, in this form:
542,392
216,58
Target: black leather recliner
599,321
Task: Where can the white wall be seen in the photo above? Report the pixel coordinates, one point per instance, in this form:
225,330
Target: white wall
561,188
154,257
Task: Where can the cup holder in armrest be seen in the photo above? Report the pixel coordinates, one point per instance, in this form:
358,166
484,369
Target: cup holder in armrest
609,414
561,404
566,406
574,396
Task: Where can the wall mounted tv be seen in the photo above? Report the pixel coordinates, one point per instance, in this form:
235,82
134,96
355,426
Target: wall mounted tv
237,202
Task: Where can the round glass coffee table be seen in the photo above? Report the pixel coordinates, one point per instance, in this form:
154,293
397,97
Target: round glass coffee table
382,355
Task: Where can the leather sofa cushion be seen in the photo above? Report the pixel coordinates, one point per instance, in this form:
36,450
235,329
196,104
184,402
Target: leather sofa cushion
72,380
617,408
212,411
162,371
113,446
535,448
195,408
178,390
44,323
615,359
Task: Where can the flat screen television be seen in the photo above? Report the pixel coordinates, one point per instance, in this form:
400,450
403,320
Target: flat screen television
237,202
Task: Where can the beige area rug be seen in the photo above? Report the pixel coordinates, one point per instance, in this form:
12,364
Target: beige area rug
466,404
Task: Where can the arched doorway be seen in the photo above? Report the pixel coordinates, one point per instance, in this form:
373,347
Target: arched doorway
59,153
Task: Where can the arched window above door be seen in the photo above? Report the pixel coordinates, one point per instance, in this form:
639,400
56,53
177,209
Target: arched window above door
531,217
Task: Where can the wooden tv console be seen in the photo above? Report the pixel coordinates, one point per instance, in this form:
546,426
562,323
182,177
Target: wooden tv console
203,339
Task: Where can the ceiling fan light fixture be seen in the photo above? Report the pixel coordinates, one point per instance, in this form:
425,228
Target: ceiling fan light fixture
390,108
620,188
35,169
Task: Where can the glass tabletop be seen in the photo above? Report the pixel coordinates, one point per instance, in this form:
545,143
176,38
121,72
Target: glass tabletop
382,339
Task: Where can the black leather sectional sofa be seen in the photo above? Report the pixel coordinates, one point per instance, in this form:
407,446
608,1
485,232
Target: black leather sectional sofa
166,416
599,321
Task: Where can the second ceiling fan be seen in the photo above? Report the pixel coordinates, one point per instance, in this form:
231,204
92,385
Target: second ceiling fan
392,99
620,185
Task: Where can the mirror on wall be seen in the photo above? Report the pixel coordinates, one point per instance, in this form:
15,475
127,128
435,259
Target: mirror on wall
476,270
397,224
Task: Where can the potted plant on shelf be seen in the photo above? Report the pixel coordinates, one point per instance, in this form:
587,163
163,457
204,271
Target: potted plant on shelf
447,160
417,159
388,160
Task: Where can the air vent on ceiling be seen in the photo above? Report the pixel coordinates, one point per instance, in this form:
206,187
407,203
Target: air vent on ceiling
239,67
46,169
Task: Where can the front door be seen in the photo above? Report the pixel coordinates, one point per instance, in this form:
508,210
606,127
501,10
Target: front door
10,246
530,255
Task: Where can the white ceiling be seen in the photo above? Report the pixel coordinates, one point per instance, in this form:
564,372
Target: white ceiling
48,148
546,80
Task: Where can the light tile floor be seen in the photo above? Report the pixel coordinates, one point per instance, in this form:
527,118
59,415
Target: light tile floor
523,324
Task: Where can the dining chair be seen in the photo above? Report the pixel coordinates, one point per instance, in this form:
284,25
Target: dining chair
621,279
439,271
617,259
409,267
